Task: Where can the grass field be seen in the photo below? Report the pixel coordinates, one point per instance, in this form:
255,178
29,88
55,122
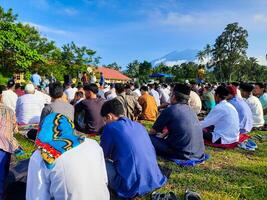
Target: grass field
228,174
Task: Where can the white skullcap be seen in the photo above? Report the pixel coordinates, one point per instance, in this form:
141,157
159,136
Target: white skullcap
29,88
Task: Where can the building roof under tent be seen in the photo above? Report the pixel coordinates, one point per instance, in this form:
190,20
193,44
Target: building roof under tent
112,74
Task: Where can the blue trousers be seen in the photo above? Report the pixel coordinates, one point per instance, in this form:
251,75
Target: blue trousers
163,148
4,169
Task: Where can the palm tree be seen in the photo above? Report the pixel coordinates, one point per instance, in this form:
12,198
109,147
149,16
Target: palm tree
201,56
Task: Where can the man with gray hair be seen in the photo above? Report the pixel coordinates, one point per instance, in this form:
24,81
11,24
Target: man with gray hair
29,106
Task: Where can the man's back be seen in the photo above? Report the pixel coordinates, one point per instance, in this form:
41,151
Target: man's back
130,105
226,121
36,79
256,109
58,106
29,108
92,118
149,107
244,114
185,133
78,174
127,143
10,99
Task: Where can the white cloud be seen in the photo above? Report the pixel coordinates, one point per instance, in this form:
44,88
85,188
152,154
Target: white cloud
260,18
46,29
70,11
261,60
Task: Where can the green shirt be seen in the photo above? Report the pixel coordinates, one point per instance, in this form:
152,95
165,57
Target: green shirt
263,100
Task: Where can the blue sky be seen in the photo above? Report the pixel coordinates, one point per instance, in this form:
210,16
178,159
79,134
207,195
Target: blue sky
123,30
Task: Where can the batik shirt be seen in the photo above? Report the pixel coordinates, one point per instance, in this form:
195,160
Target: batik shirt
7,127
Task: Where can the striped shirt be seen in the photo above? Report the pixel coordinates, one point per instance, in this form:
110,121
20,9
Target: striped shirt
8,126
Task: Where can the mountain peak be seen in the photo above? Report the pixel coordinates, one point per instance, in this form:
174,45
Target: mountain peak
176,57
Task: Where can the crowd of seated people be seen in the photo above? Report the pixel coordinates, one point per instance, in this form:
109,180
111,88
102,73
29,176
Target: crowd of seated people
69,165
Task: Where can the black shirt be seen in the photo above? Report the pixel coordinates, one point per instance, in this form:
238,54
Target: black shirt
88,111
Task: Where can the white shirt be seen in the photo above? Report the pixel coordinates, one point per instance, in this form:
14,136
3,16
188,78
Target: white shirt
195,102
256,109
137,92
29,108
45,97
70,92
10,99
78,174
155,94
163,95
224,118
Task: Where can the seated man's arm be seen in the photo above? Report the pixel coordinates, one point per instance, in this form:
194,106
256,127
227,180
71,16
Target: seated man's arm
161,122
212,118
106,142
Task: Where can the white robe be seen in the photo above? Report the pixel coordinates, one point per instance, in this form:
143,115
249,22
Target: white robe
78,174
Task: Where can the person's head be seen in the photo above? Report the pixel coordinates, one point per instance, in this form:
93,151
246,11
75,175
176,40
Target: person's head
259,89
221,93
232,91
119,87
112,110
236,84
246,89
180,93
17,86
2,88
11,84
79,95
144,89
90,91
84,73
29,89
127,88
55,90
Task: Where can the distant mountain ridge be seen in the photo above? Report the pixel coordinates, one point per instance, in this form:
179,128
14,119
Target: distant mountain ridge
176,57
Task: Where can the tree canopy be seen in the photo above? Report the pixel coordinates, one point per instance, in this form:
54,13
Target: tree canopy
23,49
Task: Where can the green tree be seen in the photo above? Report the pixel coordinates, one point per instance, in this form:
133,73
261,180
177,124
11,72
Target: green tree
133,69
16,55
145,69
229,50
114,65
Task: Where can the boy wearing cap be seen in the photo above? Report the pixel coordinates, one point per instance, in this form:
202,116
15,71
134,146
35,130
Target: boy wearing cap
185,138
224,120
254,104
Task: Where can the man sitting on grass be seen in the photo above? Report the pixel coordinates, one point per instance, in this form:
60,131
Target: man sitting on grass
130,157
244,112
254,104
149,105
184,140
222,123
260,92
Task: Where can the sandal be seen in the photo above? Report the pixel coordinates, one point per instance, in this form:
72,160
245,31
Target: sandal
189,195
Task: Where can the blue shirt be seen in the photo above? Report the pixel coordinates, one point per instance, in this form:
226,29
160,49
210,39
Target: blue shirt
244,114
36,79
127,143
185,134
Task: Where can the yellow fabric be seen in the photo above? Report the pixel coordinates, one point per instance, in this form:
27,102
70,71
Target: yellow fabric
149,107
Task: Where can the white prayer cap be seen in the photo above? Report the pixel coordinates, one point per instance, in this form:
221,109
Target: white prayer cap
29,88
